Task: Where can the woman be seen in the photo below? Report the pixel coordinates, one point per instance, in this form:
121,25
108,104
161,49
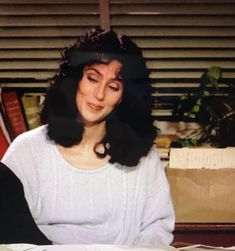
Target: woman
90,174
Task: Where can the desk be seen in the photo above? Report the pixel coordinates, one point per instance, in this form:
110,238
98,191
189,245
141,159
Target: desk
215,234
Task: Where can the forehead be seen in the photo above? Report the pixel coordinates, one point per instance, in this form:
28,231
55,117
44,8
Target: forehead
112,66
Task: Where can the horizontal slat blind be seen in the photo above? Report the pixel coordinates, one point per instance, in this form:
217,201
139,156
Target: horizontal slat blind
34,32
180,40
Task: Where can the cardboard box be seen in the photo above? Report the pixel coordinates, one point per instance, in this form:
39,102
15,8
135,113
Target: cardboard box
206,157
203,195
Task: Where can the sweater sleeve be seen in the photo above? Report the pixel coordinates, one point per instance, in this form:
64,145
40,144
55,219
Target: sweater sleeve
17,224
21,159
158,218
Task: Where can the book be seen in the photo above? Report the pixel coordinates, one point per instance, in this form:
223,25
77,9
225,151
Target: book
3,143
14,114
4,129
31,104
4,124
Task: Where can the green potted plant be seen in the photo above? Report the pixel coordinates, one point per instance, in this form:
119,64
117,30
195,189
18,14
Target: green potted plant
212,108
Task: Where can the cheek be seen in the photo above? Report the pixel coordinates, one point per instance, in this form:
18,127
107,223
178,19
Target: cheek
82,88
82,91
80,95
115,99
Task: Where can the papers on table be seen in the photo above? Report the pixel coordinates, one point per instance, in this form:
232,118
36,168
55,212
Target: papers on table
29,247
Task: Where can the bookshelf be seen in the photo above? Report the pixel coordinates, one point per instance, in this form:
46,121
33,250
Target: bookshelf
20,108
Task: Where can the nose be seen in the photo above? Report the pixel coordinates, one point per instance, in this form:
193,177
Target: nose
100,92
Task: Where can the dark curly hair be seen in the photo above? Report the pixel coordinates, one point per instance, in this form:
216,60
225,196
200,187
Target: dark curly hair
129,128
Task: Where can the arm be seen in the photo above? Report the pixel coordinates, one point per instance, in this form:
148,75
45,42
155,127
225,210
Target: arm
158,218
17,224
20,159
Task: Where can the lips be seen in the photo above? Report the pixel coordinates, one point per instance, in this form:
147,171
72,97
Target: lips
95,107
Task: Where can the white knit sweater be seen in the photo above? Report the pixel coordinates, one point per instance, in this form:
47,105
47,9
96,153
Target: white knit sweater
110,205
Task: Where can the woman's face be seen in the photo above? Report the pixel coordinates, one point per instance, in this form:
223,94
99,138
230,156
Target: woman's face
99,91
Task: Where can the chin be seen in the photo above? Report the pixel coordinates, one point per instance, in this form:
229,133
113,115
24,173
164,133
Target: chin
93,122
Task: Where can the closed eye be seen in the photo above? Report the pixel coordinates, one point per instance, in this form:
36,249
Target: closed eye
92,78
115,86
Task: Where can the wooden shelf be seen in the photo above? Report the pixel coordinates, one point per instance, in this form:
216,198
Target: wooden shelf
215,234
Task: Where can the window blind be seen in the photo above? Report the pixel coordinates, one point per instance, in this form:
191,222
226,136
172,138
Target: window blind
180,40
34,32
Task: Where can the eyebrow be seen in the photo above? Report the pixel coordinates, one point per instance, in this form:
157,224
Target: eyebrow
91,68
118,77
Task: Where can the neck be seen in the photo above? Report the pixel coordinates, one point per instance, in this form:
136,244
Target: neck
93,134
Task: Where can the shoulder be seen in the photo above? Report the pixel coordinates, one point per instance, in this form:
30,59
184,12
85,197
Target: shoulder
31,136
25,153
152,158
34,133
27,145
151,167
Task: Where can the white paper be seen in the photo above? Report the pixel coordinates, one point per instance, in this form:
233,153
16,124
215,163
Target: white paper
27,247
